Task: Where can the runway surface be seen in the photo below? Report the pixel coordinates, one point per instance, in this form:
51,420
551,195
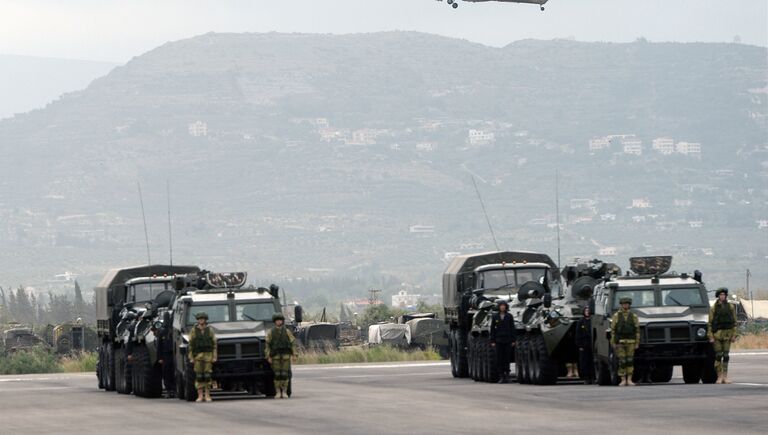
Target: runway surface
407,398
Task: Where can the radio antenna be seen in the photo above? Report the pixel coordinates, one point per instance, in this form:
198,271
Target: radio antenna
144,218
170,229
557,212
490,227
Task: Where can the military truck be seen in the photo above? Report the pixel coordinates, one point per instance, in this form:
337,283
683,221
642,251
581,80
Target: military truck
472,287
73,337
21,338
115,322
318,336
673,311
241,318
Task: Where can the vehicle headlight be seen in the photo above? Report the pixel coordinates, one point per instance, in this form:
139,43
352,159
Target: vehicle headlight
554,315
701,332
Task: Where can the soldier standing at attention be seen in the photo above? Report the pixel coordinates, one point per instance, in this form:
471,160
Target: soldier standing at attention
584,343
625,333
202,353
721,330
280,351
503,339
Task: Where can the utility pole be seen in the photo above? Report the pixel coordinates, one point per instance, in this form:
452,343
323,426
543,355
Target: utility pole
751,299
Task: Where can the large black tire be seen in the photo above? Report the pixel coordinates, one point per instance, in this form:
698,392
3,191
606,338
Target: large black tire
522,371
613,364
148,376
190,394
99,368
492,361
708,372
602,372
123,383
108,368
546,366
181,390
483,344
662,373
459,367
692,373
470,357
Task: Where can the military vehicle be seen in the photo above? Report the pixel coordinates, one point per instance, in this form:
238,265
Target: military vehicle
73,337
21,338
241,318
472,287
429,333
673,311
547,318
115,321
318,336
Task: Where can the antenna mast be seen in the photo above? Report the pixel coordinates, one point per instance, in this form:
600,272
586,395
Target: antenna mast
170,230
557,212
144,218
485,213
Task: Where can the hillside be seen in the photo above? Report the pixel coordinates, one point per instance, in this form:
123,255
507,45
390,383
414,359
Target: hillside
28,82
294,155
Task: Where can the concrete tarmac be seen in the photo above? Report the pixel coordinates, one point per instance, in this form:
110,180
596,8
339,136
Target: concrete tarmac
392,398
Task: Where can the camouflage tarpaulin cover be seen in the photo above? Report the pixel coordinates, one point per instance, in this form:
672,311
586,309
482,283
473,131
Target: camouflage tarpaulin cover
389,333
650,265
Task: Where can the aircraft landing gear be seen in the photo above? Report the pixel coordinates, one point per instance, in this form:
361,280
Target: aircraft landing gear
454,3
542,8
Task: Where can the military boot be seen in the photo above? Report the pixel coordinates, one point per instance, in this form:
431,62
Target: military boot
725,379
208,395
623,382
199,395
629,381
719,378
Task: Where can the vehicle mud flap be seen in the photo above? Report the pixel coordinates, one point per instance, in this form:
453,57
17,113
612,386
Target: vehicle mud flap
613,364
181,390
189,384
100,368
602,371
492,361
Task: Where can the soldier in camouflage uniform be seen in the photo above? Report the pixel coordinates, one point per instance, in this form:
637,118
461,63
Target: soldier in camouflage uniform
721,330
625,333
202,353
280,351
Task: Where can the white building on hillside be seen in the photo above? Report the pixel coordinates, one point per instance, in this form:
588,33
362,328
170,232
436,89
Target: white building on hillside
689,148
480,137
599,143
632,146
664,145
404,300
198,129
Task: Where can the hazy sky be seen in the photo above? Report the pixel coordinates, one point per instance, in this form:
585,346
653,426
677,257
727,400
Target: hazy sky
118,30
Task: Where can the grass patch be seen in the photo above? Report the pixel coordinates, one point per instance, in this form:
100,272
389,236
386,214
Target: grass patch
35,360
364,354
79,362
757,340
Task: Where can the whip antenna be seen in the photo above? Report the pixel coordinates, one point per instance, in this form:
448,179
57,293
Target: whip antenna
144,218
490,227
170,229
557,213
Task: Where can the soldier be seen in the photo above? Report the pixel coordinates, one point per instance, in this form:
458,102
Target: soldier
202,353
625,332
503,338
165,358
584,343
280,351
721,330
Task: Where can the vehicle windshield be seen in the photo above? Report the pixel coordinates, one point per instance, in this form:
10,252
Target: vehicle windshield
216,313
254,311
510,278
640,297
681,297
147,291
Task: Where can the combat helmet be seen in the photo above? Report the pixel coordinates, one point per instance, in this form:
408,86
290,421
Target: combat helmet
201,315
625,300
278,316
721,290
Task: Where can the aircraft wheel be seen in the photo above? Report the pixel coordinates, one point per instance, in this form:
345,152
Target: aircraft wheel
455,5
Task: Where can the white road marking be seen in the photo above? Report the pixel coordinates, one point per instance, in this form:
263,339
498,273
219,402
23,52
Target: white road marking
749,353
749,384
399,375
371,366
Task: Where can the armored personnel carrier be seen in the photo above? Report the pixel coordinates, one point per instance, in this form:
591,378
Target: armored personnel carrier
548,315
673,311
472,287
